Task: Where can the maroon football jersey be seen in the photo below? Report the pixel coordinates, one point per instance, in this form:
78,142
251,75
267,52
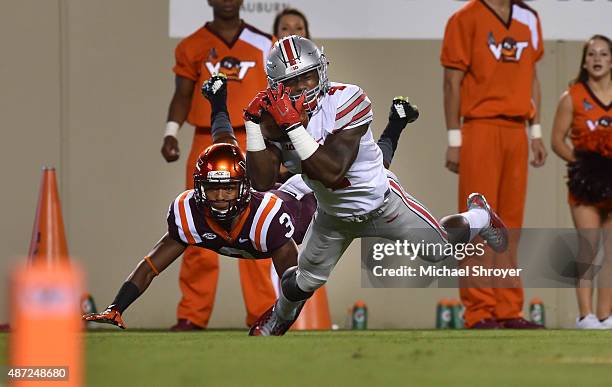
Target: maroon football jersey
263,227
301,211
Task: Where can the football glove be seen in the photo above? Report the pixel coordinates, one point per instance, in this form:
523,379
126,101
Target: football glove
402,109
256,106
215,87
109,316
286,113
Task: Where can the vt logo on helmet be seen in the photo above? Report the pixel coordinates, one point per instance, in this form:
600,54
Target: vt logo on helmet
220,182
295,56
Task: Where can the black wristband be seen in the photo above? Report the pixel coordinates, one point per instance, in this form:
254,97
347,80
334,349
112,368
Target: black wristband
127,294
291,127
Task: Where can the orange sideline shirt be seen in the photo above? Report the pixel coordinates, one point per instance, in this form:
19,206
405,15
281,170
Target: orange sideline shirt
204,52
590,113
498,58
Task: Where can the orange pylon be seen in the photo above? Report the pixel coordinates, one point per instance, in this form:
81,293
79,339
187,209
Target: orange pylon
48,242
315,314
45,324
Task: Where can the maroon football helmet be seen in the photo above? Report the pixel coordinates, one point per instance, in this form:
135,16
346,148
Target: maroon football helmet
222,164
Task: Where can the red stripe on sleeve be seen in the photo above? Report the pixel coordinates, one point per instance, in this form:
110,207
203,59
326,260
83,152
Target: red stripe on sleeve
351,107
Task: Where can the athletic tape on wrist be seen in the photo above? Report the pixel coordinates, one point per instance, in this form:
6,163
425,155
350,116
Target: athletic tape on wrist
303,142
454,137
535,131
254,139
172,128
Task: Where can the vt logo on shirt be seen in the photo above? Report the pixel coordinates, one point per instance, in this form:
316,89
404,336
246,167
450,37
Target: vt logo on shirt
604,122
232,67
508,50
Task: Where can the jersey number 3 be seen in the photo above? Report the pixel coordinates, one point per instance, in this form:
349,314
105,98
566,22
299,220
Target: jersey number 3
285,220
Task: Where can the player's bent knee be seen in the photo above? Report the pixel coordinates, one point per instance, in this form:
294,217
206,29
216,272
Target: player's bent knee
457,228
291,289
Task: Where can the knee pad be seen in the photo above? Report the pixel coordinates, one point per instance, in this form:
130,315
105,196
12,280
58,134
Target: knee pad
290,288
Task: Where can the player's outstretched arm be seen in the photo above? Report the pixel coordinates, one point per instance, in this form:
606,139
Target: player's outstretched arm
401,114
215,91
166,251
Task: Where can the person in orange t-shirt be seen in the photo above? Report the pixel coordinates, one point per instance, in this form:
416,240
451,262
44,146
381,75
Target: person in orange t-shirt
584,114
230,46
489,55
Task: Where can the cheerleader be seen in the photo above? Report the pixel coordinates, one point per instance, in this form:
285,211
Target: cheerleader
584,115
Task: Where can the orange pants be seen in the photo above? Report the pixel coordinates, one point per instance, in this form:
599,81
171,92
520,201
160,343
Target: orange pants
200,267
493,161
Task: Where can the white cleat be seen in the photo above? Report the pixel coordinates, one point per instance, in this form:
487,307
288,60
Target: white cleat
496,233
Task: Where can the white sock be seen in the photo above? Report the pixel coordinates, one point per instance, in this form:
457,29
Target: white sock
477,219
285,308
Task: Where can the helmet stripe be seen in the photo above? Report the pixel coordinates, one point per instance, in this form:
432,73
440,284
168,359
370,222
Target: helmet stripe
289,51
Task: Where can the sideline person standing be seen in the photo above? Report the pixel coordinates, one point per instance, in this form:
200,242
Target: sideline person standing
491,90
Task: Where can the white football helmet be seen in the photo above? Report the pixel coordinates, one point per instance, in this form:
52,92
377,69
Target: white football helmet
293,56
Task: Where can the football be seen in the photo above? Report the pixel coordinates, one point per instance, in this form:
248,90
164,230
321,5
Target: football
271,131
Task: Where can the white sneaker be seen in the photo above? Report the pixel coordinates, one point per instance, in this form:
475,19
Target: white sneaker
607,323
590,321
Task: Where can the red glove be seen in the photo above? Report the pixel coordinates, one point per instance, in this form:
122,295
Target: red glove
286,113
256,106
109,316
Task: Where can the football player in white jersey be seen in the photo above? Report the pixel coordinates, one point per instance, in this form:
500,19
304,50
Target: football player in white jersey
339,160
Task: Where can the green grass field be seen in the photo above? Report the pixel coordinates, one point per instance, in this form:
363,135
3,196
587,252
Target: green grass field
346,358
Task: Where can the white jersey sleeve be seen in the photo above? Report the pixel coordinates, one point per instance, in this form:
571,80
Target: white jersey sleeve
296,187
354,107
